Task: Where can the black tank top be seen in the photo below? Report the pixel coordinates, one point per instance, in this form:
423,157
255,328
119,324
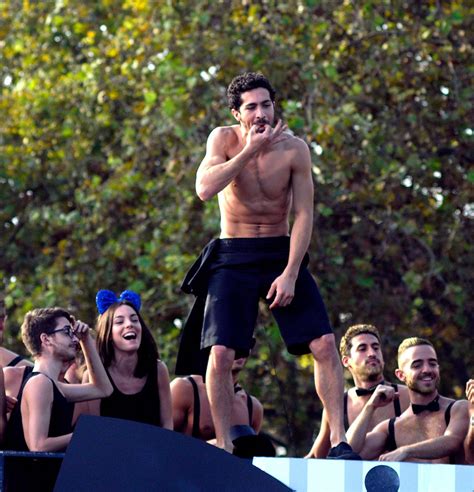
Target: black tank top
60,422
15,361
391,442
396,405
143,406
197,407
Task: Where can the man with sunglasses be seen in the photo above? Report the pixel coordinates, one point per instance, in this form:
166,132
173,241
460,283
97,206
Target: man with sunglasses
42,418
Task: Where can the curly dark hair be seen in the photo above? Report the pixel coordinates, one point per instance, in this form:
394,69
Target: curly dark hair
246,82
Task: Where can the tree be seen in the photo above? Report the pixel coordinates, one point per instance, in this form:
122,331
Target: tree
106,108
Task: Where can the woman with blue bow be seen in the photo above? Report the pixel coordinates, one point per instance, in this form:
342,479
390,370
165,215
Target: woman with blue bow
141,386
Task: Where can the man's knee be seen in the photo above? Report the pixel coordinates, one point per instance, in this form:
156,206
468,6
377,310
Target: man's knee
324,348
221,358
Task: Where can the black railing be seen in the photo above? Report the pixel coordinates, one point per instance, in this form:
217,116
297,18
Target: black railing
17,468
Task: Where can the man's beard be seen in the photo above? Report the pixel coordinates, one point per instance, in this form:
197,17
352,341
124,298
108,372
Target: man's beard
369,372
417,386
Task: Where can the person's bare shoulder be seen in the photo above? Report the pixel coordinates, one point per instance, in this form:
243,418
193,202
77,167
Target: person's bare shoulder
225,134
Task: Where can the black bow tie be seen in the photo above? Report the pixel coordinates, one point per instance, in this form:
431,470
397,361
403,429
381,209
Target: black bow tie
368,391
433,406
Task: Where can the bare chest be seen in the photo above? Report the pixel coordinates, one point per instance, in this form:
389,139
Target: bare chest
414,429
267,177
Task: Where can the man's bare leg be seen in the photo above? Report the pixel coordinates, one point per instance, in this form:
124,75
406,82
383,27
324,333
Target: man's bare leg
220,393
328,379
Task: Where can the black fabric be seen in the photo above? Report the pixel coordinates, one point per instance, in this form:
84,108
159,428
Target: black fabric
343,451
391,444
367,391
196,409
27,371
346,418
143,406
15,361
432,406
237,273
447,413
60,421
191,359
396,402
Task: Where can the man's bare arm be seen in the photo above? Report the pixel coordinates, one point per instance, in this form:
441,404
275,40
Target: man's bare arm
370,445
182,401
283,287
89,407
99,385
216,171
439,447
36,406
322,443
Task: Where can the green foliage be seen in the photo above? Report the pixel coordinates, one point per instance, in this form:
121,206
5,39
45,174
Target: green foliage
106,107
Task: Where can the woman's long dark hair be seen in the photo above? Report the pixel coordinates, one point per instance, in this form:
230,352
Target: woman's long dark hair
147,352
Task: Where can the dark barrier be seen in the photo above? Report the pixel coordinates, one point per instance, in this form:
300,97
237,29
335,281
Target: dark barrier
116,455
22,471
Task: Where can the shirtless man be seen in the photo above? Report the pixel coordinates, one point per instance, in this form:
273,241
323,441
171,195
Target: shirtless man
431,430
260,172
192,413
42,418
469,441
362,355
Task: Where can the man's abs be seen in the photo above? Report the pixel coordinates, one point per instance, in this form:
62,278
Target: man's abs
253,215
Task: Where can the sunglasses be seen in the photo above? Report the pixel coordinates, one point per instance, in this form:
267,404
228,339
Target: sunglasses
66,329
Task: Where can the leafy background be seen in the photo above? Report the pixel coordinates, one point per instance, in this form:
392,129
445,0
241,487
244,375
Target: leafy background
106,107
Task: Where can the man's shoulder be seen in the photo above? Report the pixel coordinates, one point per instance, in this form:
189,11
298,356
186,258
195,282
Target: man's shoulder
185,381
291,141
225,132
38,383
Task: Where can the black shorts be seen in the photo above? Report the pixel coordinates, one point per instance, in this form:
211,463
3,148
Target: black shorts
241,273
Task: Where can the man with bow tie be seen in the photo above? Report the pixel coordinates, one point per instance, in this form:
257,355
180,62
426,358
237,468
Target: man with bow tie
361,354
431,429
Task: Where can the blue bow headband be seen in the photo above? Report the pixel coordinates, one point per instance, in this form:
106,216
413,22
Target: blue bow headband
105,298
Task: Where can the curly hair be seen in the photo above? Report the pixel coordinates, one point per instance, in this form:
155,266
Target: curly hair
346,340
38,321
246,82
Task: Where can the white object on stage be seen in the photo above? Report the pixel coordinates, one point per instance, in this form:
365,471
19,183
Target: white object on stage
312,475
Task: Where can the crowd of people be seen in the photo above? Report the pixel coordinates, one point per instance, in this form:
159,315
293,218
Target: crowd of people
123,377
261,174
